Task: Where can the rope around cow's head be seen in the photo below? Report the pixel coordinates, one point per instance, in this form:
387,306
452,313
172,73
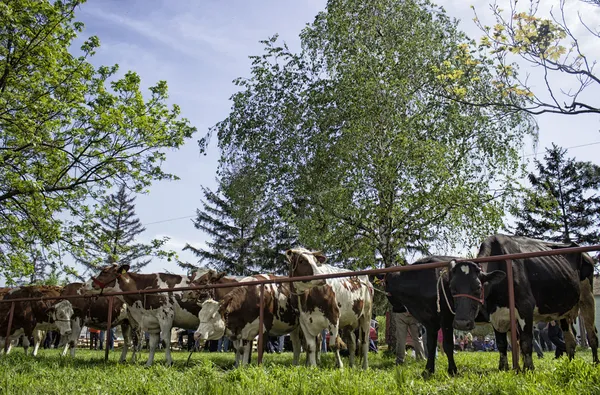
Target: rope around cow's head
480,300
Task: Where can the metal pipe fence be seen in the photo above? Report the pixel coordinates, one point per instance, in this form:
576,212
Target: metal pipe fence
508,258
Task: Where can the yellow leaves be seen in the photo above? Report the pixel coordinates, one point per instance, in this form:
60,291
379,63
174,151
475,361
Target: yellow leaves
485,42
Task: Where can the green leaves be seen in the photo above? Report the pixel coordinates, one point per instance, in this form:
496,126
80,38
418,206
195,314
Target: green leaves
357,141
66,133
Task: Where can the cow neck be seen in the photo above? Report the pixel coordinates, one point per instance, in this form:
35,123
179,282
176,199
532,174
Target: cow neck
134,282
219,293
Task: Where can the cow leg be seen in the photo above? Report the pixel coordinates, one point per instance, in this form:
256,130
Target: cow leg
247,348
237,345
448,345
137,347
310,341
526,343
38,337
350,338
295,338
318,342
165,328
366,326
570,342
26,344
71,341
431,333
587,308
592,333
502,343
334,343
126,330
154,339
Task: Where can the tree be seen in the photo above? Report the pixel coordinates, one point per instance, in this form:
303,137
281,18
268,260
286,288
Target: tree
562,204
549,44
110,237
359,151
232,218
68,131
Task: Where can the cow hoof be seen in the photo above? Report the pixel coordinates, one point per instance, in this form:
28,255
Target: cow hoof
452,372
426,374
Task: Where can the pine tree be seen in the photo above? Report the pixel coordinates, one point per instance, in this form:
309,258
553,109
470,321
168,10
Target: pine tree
114,231
246,236
231,237
563,204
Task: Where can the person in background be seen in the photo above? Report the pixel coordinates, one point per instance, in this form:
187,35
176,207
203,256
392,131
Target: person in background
556,337
405,322
324,340
374,335
101,338
94,335
223,344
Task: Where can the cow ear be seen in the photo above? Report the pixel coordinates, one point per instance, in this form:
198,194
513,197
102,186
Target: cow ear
123,269
321,258
452,264
220,276
492,278
288,254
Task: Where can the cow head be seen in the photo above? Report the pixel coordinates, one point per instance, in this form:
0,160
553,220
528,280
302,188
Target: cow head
200,295
305,263
469,287
107,279
212,324
60,315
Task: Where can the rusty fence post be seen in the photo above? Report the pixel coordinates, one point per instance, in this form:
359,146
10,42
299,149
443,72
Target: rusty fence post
108,334
261,324
512,315
10,320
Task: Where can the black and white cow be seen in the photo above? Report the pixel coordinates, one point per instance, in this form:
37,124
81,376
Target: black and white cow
426,295
546,288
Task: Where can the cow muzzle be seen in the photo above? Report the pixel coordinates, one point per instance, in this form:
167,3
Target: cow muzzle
464,325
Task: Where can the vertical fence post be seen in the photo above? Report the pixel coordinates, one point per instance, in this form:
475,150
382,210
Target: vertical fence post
10,320
108,334
261,324
513,319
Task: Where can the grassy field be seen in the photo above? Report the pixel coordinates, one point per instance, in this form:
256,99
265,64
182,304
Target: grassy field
212,373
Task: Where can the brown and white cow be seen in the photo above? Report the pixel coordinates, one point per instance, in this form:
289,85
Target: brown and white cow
210,277
334,304
32,318
237,314
154,313
93,313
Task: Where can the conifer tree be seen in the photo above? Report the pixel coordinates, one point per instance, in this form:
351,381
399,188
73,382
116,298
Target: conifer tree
563,203
114,231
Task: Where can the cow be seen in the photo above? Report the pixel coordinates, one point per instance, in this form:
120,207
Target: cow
32,318
336,304
238,314
154,313
426,295
546,288
210,277
93,313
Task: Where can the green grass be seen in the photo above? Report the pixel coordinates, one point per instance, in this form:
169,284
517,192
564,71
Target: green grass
212,373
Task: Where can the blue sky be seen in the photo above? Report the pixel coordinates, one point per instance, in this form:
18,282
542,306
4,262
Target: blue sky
200,46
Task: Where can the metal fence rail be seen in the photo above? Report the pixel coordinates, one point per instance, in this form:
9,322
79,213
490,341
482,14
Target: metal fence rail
509,274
